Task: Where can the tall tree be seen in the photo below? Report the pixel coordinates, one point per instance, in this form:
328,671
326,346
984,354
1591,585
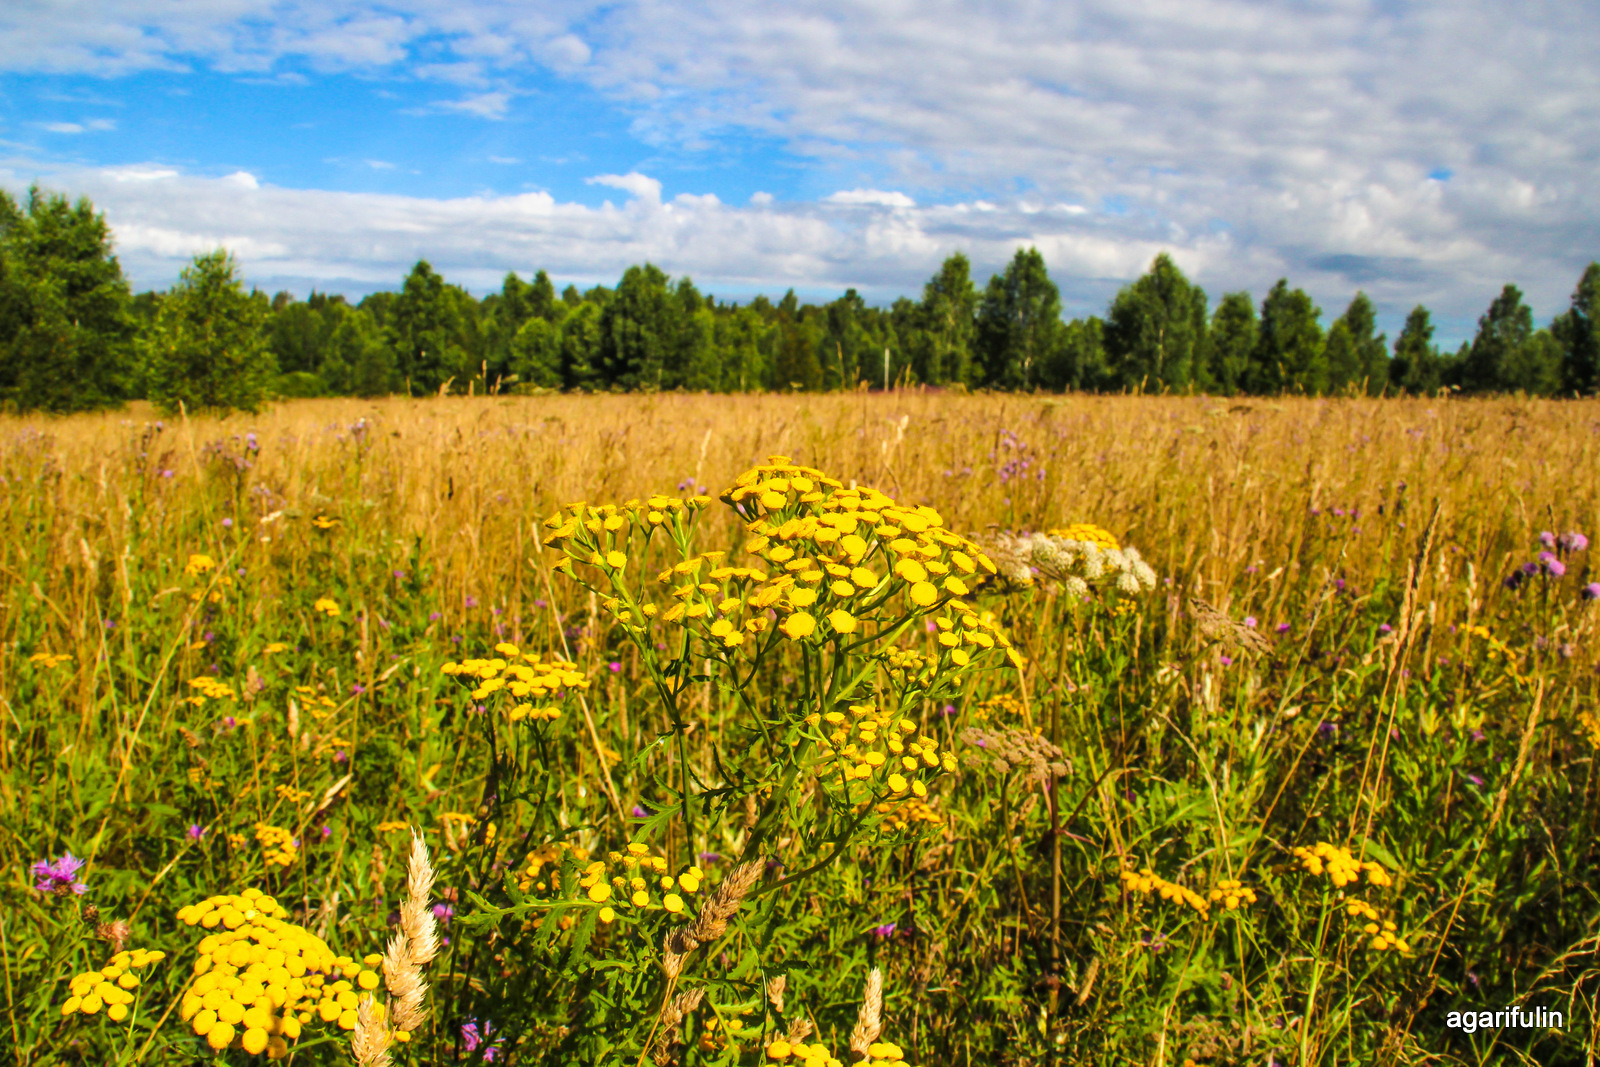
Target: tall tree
580,348
1155,329
1494,357
949,312
1578,331
1356,359
638,331
66,328
428,332
1416,367
207,350
1289,353
1230,343
1019,322
360,361
1079,360
797,337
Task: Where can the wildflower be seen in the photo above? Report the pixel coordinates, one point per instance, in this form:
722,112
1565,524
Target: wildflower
881,932
1552,566
1591,591
475,1036
196,831
327,606
199,564
1547,539
1572,542
111,987
59,876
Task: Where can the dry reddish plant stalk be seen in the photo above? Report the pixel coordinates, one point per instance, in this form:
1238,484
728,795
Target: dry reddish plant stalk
712,921
671,1028
869,1020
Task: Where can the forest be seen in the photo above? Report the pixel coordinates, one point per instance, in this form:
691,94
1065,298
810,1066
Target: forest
73,335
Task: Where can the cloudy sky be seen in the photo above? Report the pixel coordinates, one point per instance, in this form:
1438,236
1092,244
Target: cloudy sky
1426,152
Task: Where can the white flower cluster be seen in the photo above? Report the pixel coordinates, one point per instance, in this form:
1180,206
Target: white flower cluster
1074,564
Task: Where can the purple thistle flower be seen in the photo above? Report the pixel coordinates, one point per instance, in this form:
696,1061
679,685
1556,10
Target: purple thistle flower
196,831
1591,591
1552,566
709,857
59,876
434,616
472,601
881,932
1384,628
615,667
1572,541
639,812
474,1037
444,913
1547,539
1474,779
1283,627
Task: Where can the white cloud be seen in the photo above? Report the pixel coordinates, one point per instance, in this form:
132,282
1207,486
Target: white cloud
504,160
61,127
1299,138
490,105
243,179
873,197
378,164
633,183
760,199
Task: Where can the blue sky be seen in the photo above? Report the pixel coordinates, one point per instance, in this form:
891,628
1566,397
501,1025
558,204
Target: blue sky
1425,152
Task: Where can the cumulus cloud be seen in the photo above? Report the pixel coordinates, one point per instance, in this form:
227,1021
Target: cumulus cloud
870,197
1427,151
633,183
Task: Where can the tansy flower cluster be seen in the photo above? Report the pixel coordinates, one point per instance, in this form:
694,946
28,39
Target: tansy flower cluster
601,534
328,606
851,750
884,1054
909,814
313,697
831,557
802,1054
1147,882
639,880
278,846
323,522
290,795
209,689
260,980
1383,933
534,680
199,564
1342,868
111,987
1231,893
49,660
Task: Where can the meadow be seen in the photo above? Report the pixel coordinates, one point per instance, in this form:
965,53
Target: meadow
1311,789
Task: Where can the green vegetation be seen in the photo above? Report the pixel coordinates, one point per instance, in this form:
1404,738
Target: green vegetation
67,336
1317,779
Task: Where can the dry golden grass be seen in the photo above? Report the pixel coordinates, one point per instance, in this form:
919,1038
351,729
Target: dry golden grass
1203,486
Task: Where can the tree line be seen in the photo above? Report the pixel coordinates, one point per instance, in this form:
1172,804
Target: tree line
74,337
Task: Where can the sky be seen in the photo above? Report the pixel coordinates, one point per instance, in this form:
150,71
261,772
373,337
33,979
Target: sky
1424,152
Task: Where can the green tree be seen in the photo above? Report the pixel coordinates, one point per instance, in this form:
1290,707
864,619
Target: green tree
536,354
797,338
1078,361
1155,329
1535,366
430,331
580,347
1416,368
1231,343
1289,355
949,311
360,361
66,327
1356,359
1578,331
1494,359
1019,322
741,341
638,331
207,349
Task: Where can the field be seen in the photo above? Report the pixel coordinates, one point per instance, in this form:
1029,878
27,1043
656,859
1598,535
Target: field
1321,792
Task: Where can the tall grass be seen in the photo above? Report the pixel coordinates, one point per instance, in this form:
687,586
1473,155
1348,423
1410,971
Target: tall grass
1363,676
